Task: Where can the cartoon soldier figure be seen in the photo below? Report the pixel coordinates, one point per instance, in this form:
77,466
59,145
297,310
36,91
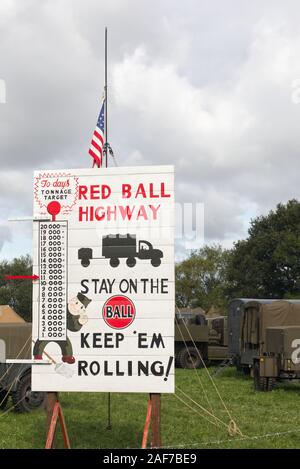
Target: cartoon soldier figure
76,318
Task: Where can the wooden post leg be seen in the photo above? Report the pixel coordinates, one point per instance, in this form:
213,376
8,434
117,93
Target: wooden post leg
64,428
155,421
51,399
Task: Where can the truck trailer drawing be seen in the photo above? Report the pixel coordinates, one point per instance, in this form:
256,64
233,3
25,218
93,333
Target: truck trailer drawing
116,247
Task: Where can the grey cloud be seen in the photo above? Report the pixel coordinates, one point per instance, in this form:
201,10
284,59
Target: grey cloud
204,85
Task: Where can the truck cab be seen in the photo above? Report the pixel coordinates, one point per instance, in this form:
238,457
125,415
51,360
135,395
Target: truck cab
199,339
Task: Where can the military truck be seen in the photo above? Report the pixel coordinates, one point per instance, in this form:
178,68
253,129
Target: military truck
15,368
197,337
270,340
217,338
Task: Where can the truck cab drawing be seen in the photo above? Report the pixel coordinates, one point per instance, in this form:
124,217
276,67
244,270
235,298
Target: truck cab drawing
116,247
146,251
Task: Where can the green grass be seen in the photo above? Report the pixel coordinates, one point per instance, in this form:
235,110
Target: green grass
257,414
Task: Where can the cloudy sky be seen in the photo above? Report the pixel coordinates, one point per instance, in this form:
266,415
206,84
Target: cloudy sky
212,86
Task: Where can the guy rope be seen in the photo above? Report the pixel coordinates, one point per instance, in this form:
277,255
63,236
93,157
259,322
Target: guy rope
231,426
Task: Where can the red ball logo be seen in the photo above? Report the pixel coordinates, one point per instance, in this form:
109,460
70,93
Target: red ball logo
118,312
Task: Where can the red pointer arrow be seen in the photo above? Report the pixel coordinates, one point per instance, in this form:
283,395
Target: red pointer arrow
21,277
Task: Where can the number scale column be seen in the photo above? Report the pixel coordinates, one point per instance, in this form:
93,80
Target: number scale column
53,252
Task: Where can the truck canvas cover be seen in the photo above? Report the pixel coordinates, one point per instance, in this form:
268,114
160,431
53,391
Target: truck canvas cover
257,317
235,319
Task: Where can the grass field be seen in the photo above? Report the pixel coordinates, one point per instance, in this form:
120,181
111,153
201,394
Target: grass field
259,416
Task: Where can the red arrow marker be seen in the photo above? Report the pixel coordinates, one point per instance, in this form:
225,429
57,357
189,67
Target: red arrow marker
21,277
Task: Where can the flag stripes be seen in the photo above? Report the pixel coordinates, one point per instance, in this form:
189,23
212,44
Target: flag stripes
97,143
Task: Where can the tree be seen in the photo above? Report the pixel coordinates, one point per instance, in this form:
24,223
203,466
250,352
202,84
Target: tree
17,293
267,263
200,279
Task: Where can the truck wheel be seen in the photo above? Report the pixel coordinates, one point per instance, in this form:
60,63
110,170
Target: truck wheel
271,384
177,359
3,398
114,262
25,400
131,261
258,382
155,262
262,383
246,370
189,358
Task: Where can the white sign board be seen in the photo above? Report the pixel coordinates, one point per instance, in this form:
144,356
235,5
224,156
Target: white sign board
103,306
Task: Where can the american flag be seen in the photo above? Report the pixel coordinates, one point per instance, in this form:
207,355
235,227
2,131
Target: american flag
97,142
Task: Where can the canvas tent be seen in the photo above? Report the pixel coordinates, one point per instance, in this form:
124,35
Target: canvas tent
15,333
8,315
17,339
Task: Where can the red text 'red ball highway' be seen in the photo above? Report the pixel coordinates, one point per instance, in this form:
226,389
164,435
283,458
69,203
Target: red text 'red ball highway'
118,311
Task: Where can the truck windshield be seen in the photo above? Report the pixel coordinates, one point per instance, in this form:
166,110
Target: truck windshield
143,245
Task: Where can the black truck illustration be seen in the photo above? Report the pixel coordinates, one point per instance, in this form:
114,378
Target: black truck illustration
116,247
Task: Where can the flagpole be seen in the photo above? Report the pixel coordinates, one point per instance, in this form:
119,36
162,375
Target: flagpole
105,97
106,164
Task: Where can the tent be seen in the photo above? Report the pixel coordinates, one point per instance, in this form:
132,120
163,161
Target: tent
8,315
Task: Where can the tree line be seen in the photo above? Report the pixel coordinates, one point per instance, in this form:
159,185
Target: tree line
264,265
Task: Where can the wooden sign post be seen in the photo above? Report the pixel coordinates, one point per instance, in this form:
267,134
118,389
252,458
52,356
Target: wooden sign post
54,413
153,421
